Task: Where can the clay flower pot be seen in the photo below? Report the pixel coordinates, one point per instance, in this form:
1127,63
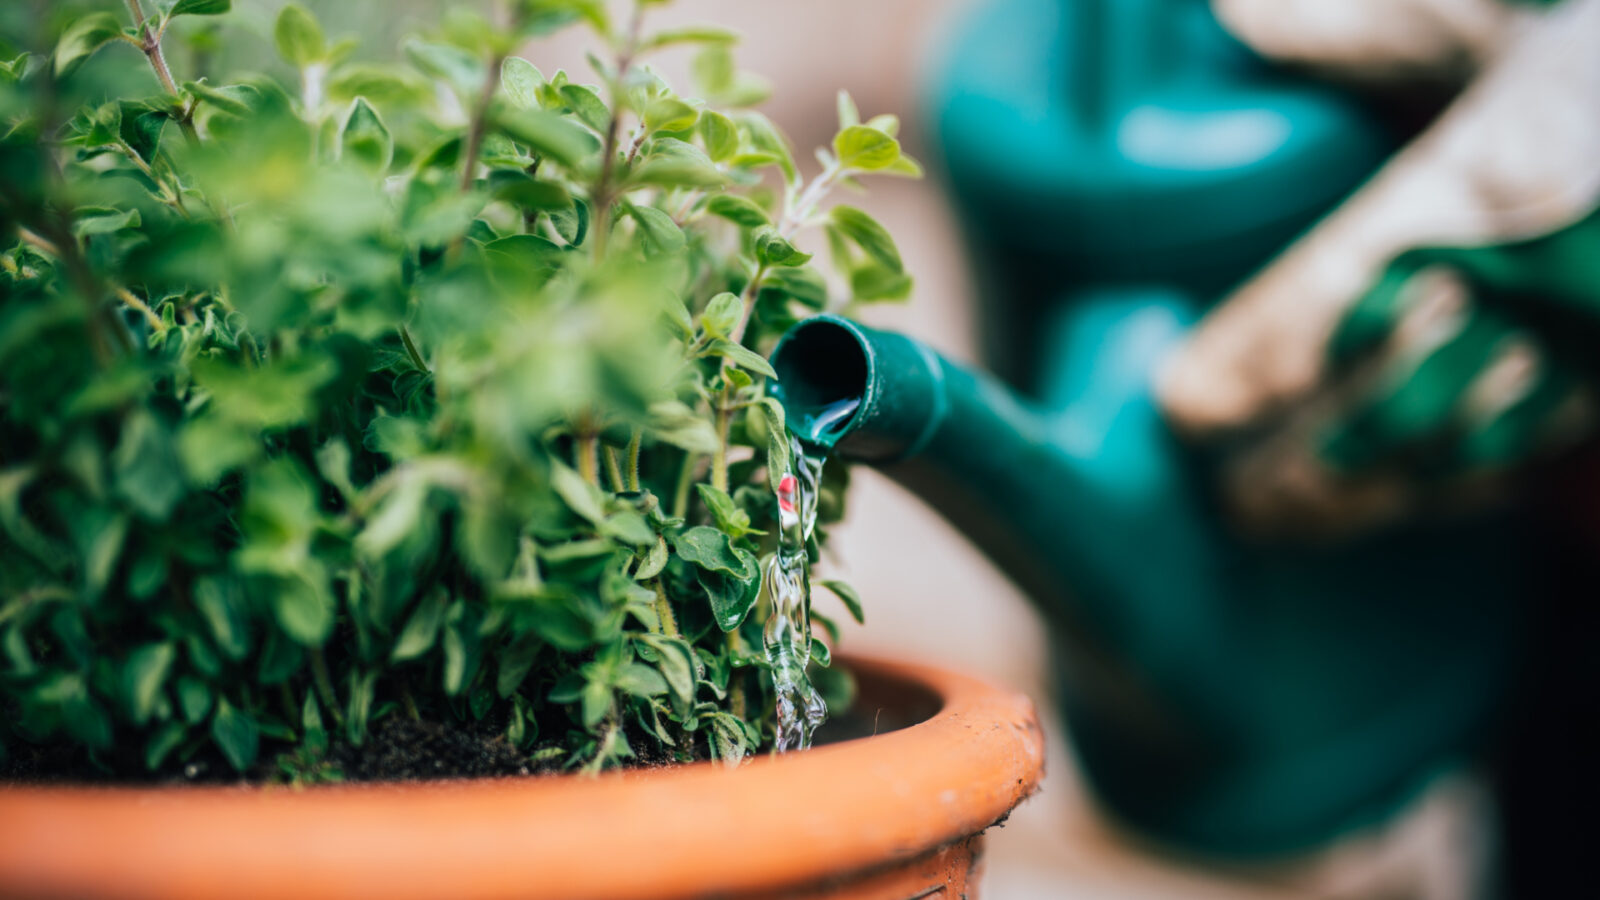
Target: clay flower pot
896,814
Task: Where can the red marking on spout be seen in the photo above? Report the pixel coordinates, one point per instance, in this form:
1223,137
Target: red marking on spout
786,489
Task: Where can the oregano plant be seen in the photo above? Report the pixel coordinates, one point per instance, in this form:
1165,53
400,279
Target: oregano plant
382,388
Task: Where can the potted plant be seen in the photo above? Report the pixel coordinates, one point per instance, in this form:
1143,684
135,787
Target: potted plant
386,420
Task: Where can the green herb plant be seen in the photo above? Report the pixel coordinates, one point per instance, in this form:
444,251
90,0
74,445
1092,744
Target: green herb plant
429,387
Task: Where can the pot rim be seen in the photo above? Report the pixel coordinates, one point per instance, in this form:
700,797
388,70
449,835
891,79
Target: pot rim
777,821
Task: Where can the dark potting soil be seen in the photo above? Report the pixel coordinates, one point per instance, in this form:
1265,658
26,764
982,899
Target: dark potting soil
406,750
397,749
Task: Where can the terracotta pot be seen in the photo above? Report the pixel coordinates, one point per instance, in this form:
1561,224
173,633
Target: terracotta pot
896,815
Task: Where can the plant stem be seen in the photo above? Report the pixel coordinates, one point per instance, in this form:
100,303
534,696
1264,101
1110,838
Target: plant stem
796,214
736,698
719,461
586,453
411,349
604,190
151,45
324,684
633,459
750,292
669,622
143,308
719,458
680,496
480,122
613,470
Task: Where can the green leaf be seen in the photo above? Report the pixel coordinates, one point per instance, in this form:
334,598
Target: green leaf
847,594
848,114
658,228
732,520
765,138
227,99
456,658
865,232
236,734
550,136
739,210
654,561
83,37
194,698
905,167
689,34
520,80
641,681
675,661
201,7
364,138
143,675
147,468
587,106
719,134
162,743
580,496
669,114
220,603
528,193
516,661
861,147
379,83
358,708
571,223
741,356
713,70
311,726
677,171
713,551
820,654
871,282
887,123
731,598
722,315
462,71
774,249
420,631
298,36
91,220
304,609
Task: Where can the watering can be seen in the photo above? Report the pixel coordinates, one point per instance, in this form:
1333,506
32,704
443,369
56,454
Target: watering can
1118,165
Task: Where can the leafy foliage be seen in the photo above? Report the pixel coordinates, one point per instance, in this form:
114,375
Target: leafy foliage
426,388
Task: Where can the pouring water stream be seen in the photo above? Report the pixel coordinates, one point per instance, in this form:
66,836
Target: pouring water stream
786,639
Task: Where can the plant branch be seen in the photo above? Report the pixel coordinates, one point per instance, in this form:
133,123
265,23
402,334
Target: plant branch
143,308
480,122
411,349
633,458
613,470
669,621
586,454
604,190
150,44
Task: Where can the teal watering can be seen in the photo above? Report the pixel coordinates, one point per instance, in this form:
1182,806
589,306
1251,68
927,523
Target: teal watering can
1119,165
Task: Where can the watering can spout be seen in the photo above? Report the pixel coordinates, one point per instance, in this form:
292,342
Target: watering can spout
999,468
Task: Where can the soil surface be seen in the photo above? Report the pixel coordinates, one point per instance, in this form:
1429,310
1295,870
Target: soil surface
397,749
406,750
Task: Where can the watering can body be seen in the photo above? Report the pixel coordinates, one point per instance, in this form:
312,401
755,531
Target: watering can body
1118,166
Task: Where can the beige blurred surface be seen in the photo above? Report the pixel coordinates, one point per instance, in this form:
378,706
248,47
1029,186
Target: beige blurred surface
928,594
